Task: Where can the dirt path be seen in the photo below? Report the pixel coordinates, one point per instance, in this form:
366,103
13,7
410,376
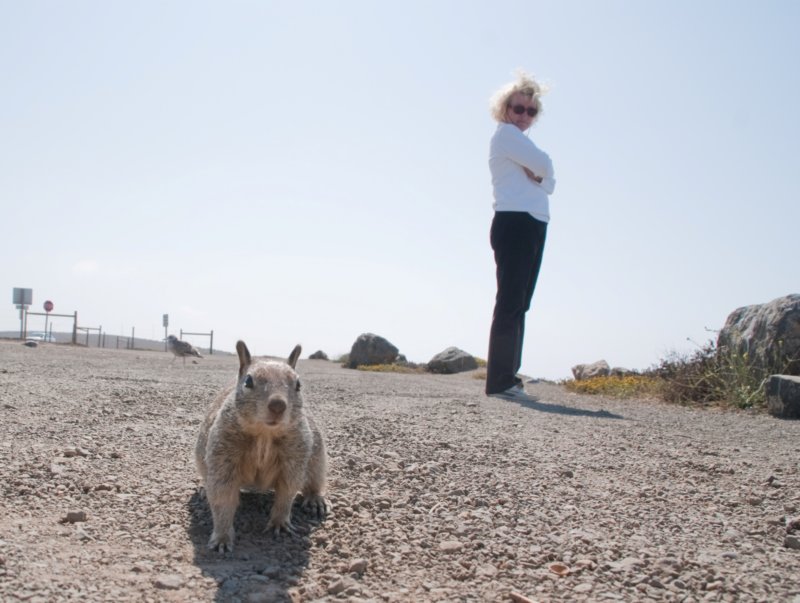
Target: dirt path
438,493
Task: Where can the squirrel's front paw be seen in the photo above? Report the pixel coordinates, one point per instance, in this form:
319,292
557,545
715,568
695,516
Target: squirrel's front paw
315,505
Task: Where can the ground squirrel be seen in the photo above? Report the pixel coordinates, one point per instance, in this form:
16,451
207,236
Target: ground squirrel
257,435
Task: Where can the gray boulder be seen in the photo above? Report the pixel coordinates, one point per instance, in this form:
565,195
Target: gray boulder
318,355
452,360
769,333
587,371
783,396
371,349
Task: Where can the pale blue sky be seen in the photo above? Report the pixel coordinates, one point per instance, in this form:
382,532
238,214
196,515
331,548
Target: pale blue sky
287,172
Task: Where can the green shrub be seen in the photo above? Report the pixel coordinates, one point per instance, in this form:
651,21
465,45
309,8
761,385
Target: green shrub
714,375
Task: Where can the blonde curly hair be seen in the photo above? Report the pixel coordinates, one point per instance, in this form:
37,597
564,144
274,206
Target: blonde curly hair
524,84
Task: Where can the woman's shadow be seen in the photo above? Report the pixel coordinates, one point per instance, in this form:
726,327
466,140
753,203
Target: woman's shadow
560,409
262,566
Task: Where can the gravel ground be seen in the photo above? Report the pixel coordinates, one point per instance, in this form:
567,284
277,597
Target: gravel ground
437,493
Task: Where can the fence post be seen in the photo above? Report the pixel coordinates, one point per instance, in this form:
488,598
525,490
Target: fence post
211,344
75,329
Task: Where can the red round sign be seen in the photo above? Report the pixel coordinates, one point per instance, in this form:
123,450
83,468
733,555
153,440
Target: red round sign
48,306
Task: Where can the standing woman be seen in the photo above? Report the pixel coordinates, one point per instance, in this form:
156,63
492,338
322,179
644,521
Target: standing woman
522,179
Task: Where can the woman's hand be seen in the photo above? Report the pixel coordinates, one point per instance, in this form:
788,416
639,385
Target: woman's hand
532,176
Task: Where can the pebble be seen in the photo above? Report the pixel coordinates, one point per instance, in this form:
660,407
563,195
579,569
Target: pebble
75,451
451,546
341,585
168,582
74,517
791,541
357,566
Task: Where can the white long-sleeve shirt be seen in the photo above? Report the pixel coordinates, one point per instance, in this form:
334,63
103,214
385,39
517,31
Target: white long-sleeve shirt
510,150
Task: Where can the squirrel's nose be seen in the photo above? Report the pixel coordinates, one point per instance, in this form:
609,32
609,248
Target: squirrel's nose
277,405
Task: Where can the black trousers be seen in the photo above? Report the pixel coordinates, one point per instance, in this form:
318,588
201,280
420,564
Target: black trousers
518,242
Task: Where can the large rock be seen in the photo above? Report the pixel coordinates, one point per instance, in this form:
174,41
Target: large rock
587,371
371,349
769,333
452,360
318,355
783,396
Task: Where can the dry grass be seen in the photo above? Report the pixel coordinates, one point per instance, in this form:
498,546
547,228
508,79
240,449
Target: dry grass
392,368
629,386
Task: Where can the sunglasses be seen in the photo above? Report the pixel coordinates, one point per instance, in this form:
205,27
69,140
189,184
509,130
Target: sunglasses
519,110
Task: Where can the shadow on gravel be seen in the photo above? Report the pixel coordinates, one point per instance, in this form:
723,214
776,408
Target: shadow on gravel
559,409
262,566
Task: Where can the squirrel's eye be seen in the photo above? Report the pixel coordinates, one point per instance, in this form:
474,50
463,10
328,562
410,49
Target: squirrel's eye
248,383
297,387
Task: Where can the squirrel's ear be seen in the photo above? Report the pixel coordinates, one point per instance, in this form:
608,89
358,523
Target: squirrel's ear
293,357
244,357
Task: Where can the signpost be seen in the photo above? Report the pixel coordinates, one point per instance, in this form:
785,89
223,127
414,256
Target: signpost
48,307
166,324
22,298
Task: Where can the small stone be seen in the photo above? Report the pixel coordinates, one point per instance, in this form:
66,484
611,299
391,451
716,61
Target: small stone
358,566
450,546
339,586
791,542
487,570
74,517
168,582
558,569
584,587
82,535
74,451
266,594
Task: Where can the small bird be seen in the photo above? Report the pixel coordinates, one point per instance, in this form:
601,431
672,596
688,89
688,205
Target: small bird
181,348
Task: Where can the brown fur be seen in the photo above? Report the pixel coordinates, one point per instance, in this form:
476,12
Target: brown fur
257,435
